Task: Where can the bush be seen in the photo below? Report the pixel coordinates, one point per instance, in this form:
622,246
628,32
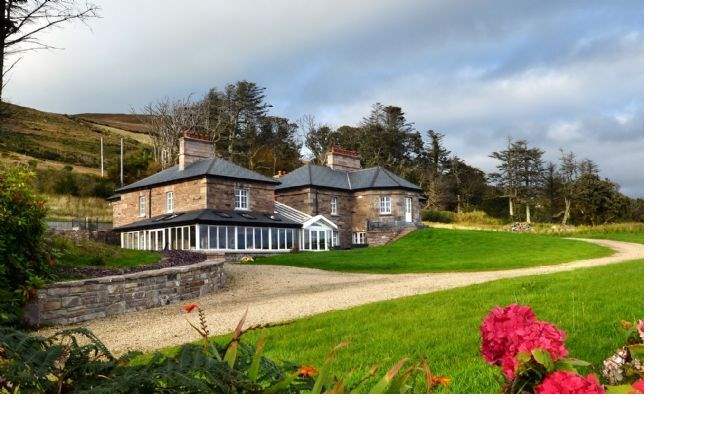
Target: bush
533,356
24,255
466,218
437,216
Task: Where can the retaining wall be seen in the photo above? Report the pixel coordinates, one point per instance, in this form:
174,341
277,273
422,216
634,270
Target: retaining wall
86,299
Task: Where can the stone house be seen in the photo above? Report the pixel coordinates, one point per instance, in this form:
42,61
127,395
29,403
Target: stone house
367,206
209,204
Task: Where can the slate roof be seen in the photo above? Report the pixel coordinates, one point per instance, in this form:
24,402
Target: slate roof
214,167
213,217
323,176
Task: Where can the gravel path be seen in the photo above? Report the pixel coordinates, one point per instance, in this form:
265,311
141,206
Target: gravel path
276,294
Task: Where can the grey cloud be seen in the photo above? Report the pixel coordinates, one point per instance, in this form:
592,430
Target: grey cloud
558,73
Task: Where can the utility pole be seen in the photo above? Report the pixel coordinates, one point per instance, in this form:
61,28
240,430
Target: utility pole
121,163
102,159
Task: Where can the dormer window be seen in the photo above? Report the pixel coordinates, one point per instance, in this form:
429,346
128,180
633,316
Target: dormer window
241,198
169,202
385,205
141,206
334,206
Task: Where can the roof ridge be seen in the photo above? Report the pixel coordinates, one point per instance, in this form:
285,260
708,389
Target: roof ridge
391,175
375,176
212,163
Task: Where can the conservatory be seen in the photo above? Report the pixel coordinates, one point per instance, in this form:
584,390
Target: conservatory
221,231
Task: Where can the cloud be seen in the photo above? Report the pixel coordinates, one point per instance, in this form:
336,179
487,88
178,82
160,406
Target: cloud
558,73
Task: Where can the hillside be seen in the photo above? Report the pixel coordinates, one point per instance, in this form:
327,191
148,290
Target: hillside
68,139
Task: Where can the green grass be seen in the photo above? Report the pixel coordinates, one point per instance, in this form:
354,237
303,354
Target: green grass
441,250
636,237
90,253
443,326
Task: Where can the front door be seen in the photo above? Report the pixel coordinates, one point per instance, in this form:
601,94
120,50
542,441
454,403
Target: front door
409,209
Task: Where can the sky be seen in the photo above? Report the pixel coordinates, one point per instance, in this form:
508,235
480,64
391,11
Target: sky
560,74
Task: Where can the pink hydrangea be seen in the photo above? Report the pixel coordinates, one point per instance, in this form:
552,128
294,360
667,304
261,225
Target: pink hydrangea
565,382
513,329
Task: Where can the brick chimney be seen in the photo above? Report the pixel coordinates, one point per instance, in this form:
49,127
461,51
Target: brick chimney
194,147
343,159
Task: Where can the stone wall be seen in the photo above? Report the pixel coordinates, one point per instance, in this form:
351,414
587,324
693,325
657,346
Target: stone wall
187,196
105,236
86,299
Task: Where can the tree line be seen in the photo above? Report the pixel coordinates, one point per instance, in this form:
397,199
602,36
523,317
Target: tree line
237,119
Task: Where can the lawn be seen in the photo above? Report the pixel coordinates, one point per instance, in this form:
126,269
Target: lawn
442,250
443,326
623,236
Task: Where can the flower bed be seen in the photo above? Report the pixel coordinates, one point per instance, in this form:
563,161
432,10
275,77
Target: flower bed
171,258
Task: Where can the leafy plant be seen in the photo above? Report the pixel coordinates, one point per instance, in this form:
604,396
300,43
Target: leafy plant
24,255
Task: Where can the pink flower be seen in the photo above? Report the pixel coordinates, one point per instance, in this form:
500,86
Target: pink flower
639,328
638,386
513,329
564,382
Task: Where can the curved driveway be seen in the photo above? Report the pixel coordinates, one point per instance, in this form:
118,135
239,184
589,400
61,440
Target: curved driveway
275,294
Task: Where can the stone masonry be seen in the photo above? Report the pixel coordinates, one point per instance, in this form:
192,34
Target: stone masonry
191,195
355,210
72,302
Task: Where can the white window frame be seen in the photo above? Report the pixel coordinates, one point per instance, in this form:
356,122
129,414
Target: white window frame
142,208
334,206
169,202
384,206
359,238
242,194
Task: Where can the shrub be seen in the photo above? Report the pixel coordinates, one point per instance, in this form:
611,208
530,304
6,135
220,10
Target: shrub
437,216
532,355
24,255
465,218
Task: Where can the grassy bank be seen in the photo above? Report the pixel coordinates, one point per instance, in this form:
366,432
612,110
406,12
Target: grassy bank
67,207
443,326
443,250
90,253
626,232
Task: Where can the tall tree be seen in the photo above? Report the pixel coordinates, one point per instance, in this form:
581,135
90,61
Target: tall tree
22,23
569,174
553,191
508,177
387,139
167,119
468,184
433,163
317,138
531,173
598,200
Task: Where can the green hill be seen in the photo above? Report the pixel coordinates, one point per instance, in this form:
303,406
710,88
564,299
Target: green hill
68,139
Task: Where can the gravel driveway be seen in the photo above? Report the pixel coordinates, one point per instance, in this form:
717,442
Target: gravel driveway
276,294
